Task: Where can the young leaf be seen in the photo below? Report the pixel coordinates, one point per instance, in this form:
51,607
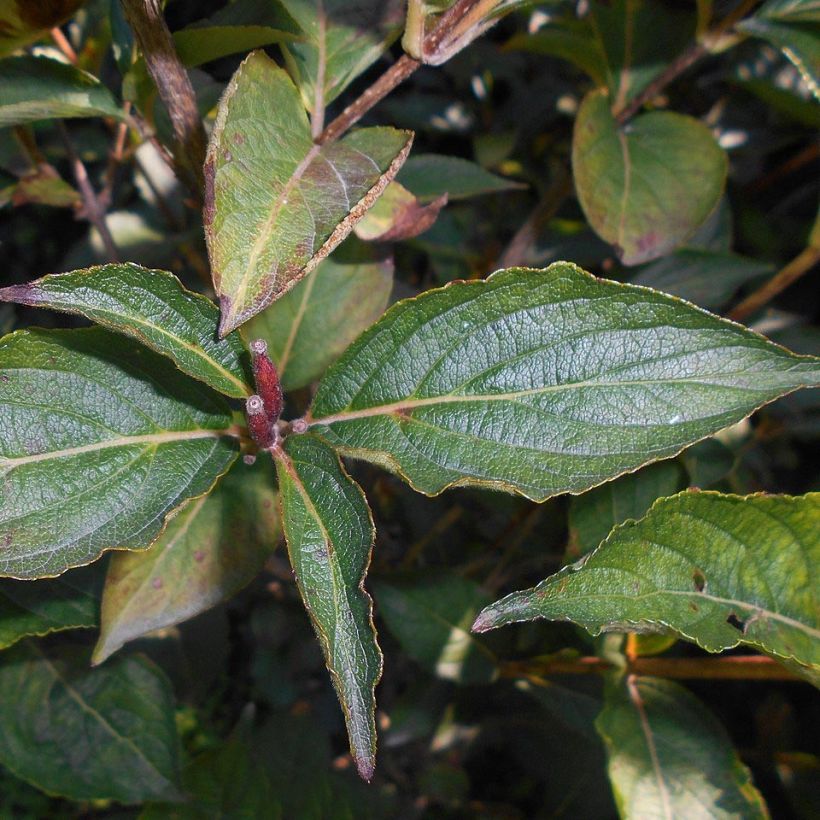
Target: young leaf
721,570
68,602
647,186
99,440
330,534
153,307
312,324
543,382
22,23
276,203
398,215
431,619
669,757
213,547
101,734
39,88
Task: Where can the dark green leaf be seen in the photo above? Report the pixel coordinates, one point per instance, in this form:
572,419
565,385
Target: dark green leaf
101,734
647,186
153,307
669,757
431,619
721,570
330,535
276,203
99,440
39,88
215,545
429,176
543,382
312,324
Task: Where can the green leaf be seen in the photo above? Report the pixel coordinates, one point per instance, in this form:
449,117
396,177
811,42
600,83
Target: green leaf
312,324
431,619
68,602
99,440
704,277
22,23
669,757
154,308
794,27
647,186
330,535
39,88
593,514
102,734
276,203
213,547
398,215
721,570
429,176
341,40
543,382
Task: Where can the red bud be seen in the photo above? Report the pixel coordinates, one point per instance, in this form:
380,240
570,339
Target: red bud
267,380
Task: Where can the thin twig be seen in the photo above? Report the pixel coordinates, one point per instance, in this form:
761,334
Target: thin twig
61,41
91,206
785,277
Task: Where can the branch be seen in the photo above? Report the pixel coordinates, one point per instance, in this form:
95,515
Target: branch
174,86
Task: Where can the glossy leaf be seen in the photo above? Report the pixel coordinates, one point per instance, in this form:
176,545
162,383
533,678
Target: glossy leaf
39,88
213,547
647,186
101,734
721,570
310,326
68,602
330,534
153,307
431,619
341,40
398,215
669,757
543,382
99,440
276,203
430,176
23,22
593,514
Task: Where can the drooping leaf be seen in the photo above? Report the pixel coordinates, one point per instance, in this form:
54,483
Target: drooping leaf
44,186
330,533
398,215
341,40
543,382
213,547
593,514
22,23
276,203
721,570
431,618
100,439
647,186
669,757
430,176
39,88
310,326
88,734
68,602
153,307
794,27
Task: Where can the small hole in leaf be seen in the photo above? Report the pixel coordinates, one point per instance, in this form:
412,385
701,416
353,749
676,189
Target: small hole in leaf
734,621
699,580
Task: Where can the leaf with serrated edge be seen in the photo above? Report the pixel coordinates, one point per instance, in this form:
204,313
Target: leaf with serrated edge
276,204
153,307
647,186
329,532
215,545
543,382
100,439
669,757
721,570
88,734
